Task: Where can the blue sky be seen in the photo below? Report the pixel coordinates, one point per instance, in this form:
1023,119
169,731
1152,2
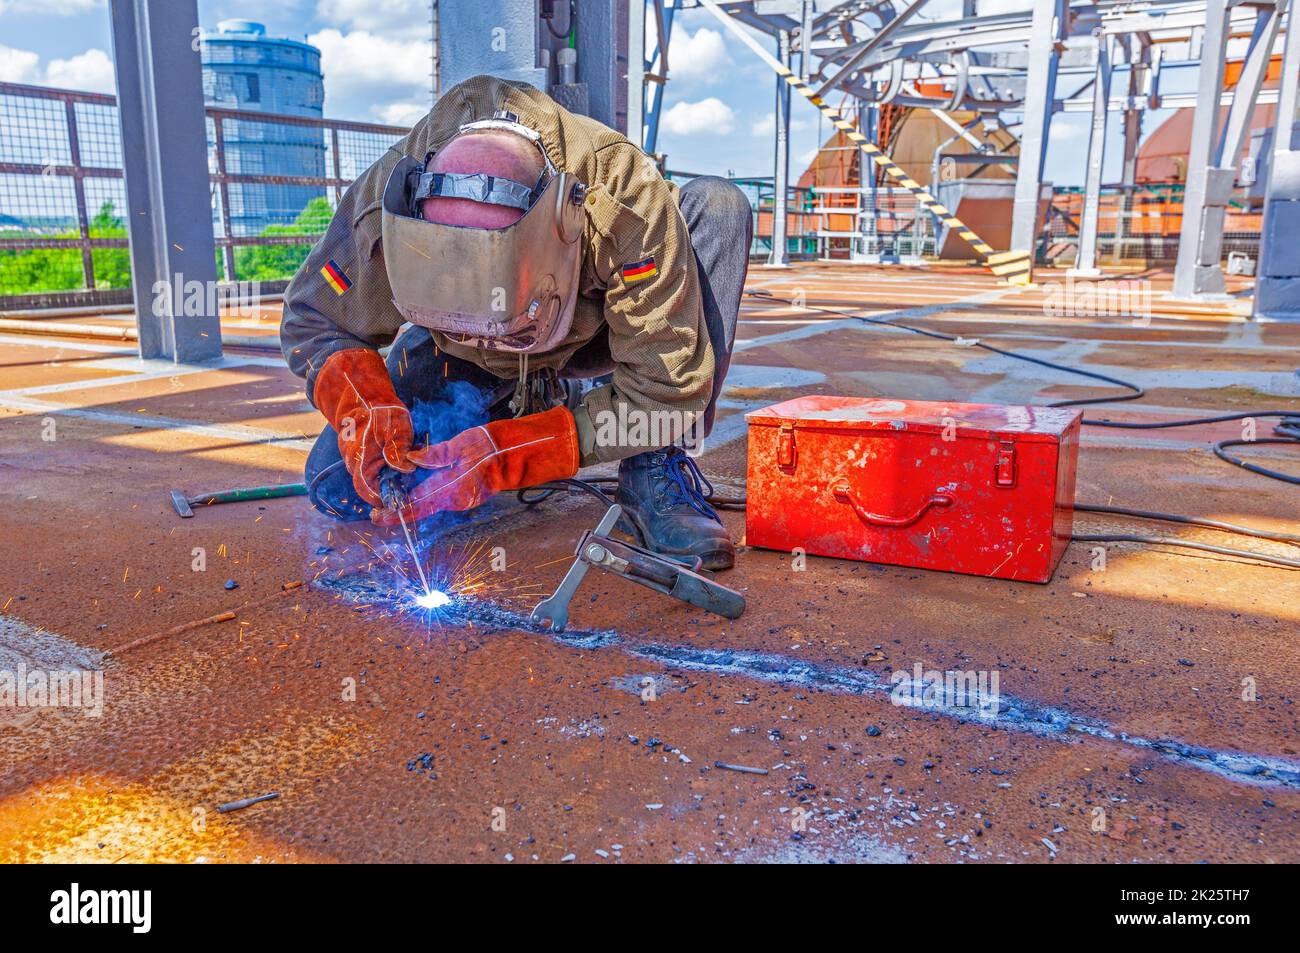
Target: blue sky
717,117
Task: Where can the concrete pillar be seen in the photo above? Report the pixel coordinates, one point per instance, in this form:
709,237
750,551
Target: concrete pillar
165,157
1040,101
1086,262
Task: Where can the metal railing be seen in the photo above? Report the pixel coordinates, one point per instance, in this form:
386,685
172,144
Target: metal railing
801,222
873,224
63,236
1142,224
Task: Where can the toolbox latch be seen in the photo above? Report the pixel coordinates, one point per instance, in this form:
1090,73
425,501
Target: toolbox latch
785,449
1006,464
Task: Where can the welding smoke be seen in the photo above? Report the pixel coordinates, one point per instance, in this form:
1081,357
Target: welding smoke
458,407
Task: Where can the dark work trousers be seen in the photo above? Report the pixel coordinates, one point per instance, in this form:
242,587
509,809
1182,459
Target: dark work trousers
449,395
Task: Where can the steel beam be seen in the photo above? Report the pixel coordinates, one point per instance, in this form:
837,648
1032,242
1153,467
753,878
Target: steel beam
1139,56
1250,82
165,157
1040,101
636,70
658,63
1205,195
1277,287
1086,262
870,46
779,255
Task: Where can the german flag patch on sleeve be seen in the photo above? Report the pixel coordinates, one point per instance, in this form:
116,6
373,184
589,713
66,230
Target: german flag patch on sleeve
639,271
334,275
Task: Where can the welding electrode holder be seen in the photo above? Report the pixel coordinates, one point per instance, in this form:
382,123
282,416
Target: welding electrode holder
393,489
682,580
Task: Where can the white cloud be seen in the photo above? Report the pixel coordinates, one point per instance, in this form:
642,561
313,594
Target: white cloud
394,18
18,66
698,57
400,113
363,58
57,8
708,116
91,70
766,125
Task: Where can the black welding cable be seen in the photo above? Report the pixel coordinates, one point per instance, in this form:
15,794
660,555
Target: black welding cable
1189,520
530,496
1288,430
939,335
1187,544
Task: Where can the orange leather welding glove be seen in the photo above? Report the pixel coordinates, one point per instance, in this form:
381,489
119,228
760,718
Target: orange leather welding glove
355,393
501,455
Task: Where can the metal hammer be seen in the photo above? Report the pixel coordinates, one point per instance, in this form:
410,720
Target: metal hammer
182,503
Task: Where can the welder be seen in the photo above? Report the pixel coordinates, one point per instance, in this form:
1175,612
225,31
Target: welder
527,248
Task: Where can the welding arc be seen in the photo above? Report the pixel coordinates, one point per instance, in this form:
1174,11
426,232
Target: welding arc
1012,266
1288,431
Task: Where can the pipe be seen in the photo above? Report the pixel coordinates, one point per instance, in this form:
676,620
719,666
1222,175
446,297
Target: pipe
270,342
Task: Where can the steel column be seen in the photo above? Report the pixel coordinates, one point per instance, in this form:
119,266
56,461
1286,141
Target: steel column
1040,102
1086,262
636,69
1203,275
165,156
1251,81
1277,287
781,159
1205,195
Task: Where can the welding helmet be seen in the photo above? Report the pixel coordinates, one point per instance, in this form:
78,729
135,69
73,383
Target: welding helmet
507,289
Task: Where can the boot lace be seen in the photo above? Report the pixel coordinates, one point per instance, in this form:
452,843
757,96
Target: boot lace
687,484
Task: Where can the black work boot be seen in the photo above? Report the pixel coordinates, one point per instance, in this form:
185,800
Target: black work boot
662,493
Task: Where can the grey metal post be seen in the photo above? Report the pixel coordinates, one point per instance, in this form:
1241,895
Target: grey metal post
1206,191
1040,101
1244,96
636,71
79,191
1277,287
165,155
781,175
805,40
1086,262
1205,276
1138,71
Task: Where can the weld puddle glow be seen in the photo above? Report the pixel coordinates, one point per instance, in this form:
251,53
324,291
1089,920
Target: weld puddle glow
433,599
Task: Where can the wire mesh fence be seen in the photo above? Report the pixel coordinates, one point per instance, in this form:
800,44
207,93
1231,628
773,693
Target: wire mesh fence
275,182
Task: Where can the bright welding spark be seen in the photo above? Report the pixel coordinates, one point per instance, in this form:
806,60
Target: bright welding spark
433,599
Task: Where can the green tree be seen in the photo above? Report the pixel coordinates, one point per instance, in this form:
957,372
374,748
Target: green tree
269,262
29,271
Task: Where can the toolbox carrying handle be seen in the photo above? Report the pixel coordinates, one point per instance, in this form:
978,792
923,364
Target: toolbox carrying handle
845,495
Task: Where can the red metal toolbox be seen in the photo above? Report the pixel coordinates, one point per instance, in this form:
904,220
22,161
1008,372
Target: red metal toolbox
972,488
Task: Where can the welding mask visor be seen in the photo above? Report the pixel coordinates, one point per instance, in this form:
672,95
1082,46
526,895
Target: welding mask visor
507,289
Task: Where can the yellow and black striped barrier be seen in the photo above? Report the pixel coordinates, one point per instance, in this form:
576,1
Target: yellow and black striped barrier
1015,267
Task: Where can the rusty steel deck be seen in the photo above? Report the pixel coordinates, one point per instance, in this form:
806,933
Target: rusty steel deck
1147,696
